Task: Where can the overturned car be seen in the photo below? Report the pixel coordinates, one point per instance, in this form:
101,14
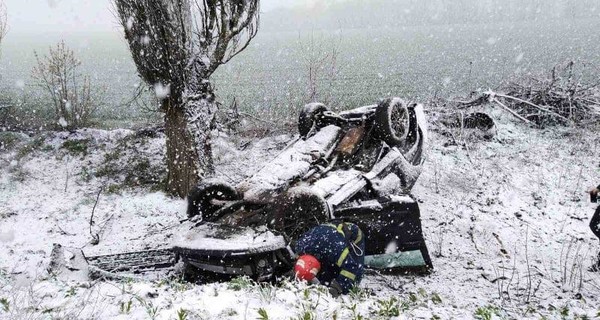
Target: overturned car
355,166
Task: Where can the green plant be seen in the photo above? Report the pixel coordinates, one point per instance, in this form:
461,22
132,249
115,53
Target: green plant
5,304
152,310
564,312
112,156
435,298
76,146
388,308
230,312
267,292
179,286
18,172
130,170
126,286
36,144
106,171
262,314
355,314
359,294
71,292
182,314
8,140
114,189
413,298
309,299
307,315
85,174
126,306
486,312
240,283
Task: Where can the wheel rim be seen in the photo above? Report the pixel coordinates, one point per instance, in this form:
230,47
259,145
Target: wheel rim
399,121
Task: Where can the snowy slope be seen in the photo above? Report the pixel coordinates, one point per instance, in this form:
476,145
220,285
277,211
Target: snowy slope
505,220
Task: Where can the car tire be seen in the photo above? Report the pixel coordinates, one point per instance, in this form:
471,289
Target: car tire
392,122
309,116
478,120
200,199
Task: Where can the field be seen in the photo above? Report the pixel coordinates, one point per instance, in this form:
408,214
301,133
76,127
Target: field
271,77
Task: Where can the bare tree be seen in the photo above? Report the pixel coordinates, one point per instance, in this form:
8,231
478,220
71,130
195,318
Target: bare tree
177,45
320,57
3,19
71,92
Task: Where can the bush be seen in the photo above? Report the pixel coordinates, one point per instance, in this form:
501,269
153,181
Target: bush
71,92
76,146
25,111
125,168
9,140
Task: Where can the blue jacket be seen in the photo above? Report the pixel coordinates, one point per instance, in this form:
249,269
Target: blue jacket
340,250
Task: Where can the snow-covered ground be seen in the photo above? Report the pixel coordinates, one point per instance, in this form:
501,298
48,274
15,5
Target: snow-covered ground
506,222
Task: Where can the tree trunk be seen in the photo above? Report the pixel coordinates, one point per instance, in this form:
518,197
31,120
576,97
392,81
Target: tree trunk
188,128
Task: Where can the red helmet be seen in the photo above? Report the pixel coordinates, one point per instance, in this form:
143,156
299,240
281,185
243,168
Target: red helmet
307,267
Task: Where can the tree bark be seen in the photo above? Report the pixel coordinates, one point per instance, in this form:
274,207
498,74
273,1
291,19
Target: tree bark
188,127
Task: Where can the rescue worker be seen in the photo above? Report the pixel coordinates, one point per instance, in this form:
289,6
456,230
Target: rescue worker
333,255
595,224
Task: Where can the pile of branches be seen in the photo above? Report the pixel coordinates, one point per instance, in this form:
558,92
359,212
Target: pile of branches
559,98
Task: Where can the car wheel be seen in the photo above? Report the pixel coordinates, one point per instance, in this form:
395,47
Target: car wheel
309,117
200,199
392,122
478,120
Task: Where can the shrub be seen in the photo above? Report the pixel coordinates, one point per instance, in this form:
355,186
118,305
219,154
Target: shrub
76,146
71,92
9,140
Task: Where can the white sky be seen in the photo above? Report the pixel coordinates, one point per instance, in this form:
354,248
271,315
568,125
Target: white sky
41,16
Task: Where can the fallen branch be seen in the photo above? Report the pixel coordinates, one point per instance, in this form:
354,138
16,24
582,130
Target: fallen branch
588,101
257,118
481,99
161,230
472,236
531,104
67,179
63,232
104,224
95,237
561,97
514,113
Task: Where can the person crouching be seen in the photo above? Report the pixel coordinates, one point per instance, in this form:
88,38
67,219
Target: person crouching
332,255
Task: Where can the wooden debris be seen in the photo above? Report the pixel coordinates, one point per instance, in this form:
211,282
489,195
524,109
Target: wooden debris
559,98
